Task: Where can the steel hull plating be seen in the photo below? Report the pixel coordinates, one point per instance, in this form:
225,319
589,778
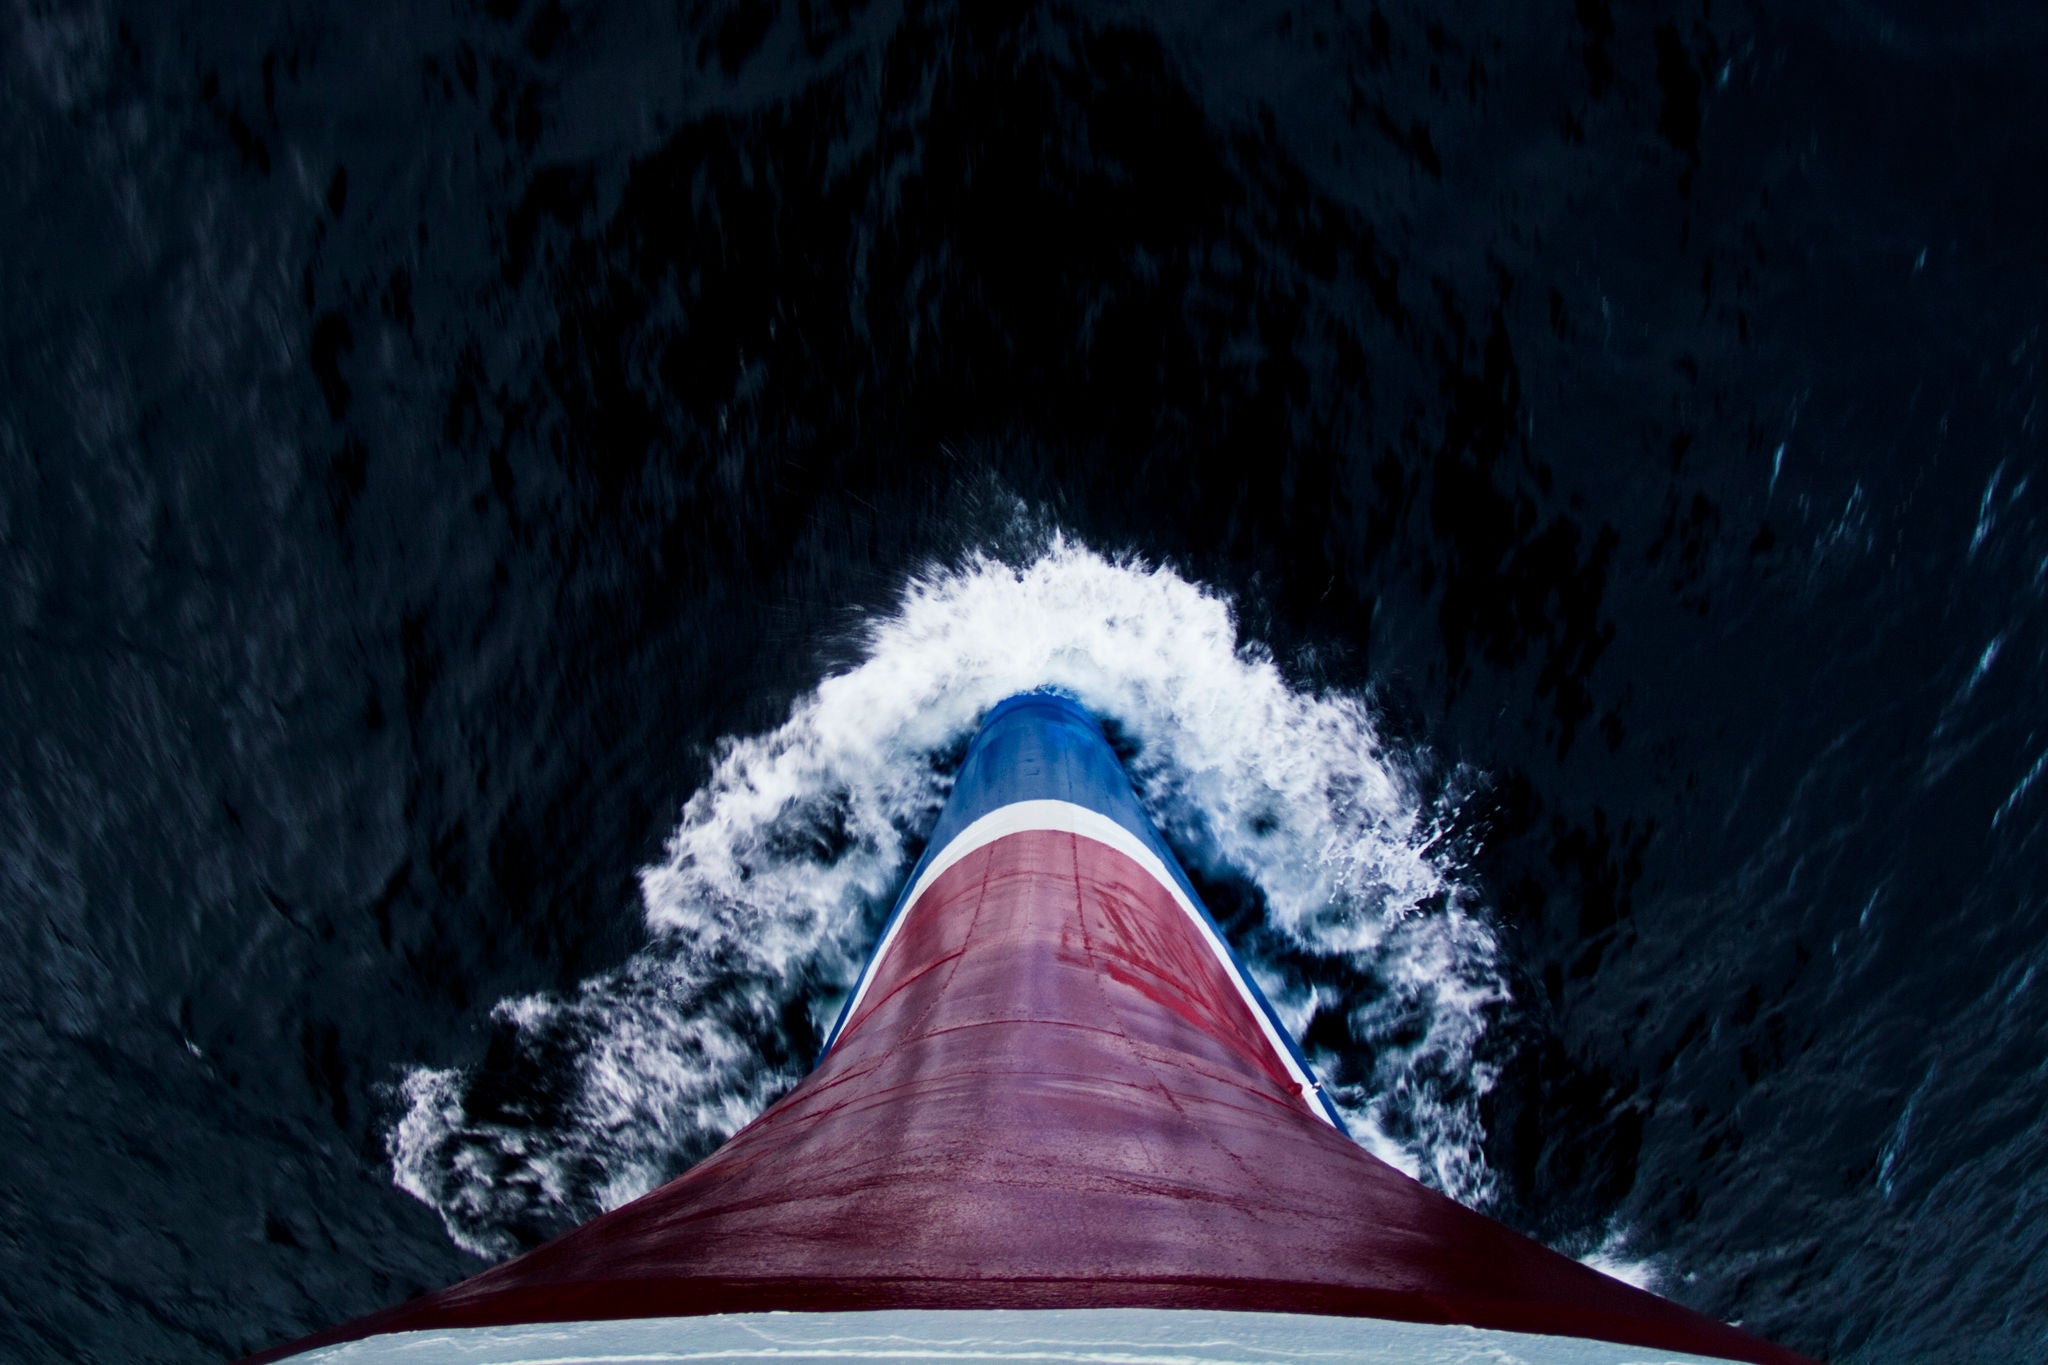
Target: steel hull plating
1054,1089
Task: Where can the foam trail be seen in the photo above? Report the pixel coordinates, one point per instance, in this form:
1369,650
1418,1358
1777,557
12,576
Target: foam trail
777,875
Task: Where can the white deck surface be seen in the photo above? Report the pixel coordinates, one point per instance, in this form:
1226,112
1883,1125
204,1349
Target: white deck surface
1105,1336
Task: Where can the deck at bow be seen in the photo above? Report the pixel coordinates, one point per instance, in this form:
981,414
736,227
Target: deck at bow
1055,1088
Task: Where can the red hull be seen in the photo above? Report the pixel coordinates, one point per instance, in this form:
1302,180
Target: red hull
1056,1090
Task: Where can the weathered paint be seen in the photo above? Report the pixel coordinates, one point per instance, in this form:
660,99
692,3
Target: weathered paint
1055,1089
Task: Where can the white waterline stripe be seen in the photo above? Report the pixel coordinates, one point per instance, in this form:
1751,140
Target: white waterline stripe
1065,817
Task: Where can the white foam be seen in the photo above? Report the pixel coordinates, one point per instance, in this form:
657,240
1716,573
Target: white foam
1613,1258
781,866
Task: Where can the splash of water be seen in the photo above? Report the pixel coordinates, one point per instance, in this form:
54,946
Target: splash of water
776,877
1616,1258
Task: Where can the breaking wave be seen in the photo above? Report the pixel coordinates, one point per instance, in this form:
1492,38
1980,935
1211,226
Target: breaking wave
776,879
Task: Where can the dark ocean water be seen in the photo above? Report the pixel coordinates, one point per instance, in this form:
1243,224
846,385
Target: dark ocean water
508,509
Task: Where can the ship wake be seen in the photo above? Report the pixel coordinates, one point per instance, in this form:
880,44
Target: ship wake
1342,888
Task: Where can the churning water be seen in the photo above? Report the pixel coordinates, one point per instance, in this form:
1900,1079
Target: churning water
442,448
783,863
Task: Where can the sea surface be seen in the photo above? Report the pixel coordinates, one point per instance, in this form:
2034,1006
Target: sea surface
510,511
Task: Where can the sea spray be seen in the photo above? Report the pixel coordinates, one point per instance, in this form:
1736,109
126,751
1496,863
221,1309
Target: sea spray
777,875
